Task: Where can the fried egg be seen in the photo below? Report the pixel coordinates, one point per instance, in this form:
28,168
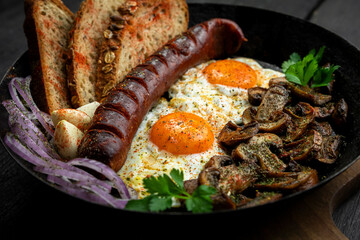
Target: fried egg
180,131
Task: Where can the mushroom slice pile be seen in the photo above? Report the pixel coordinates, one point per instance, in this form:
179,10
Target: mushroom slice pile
289,181
285,135
304,93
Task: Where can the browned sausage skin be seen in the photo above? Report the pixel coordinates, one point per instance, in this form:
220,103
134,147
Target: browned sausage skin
117,119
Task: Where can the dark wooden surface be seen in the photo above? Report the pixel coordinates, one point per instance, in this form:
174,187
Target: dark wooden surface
20,204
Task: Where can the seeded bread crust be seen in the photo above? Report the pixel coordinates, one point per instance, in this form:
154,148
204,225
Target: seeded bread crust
85,41
46,27
136,31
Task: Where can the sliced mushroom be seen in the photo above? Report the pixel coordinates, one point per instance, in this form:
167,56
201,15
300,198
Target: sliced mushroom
323,112
235,179
219,200
258,151
262,198
241,199
255,95
305,148
324,128
191,185
329,151
273,102
302,92
269,161
209,176
293,166
232,135
269,139
277,124
302,116
310,182
222,201
249,115
340,113
266,143
245,153
287,183
228,179
219,161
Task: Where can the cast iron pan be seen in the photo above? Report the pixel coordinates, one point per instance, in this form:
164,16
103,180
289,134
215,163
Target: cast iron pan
272,37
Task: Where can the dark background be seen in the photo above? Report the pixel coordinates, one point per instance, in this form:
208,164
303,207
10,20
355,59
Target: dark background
19,190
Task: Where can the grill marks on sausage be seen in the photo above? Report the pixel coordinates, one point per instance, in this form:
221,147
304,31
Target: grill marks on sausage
107,123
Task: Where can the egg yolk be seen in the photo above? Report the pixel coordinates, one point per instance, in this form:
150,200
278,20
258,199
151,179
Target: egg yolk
182,133
231,73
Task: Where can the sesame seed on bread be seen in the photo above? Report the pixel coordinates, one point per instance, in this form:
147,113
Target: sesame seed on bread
85,41
136,31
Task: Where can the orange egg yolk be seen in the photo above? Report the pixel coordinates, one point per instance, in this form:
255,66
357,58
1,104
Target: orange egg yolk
231,73
182,133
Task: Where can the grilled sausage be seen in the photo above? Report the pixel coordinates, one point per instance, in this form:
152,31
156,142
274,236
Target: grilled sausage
117,119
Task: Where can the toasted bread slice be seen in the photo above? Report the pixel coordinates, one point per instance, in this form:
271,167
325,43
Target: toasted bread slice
46,27
135,32
85,41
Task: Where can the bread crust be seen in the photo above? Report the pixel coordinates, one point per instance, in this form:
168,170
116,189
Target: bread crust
46,100
128,40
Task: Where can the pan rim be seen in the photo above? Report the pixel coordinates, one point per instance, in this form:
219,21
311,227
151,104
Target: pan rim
23,164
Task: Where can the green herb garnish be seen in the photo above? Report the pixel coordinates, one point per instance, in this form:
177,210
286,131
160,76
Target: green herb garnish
164,189
301,71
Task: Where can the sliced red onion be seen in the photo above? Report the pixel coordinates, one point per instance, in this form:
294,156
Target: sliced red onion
92,193
60,181
75,191
70,170
16,146
30,143
106,171
66,183
36,144
85,180
14,95
22,85
16,116
46,116
111,200
44,160
31,133
89,178
47,119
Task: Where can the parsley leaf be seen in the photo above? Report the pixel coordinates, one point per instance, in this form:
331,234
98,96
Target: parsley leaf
178,177
324,76
164,189
200,201
139,205
159,203
294,58
305,70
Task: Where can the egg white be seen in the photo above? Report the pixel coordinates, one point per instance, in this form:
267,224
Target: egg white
192,93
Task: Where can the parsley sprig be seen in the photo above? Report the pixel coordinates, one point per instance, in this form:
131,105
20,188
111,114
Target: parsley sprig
163,189
301,71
